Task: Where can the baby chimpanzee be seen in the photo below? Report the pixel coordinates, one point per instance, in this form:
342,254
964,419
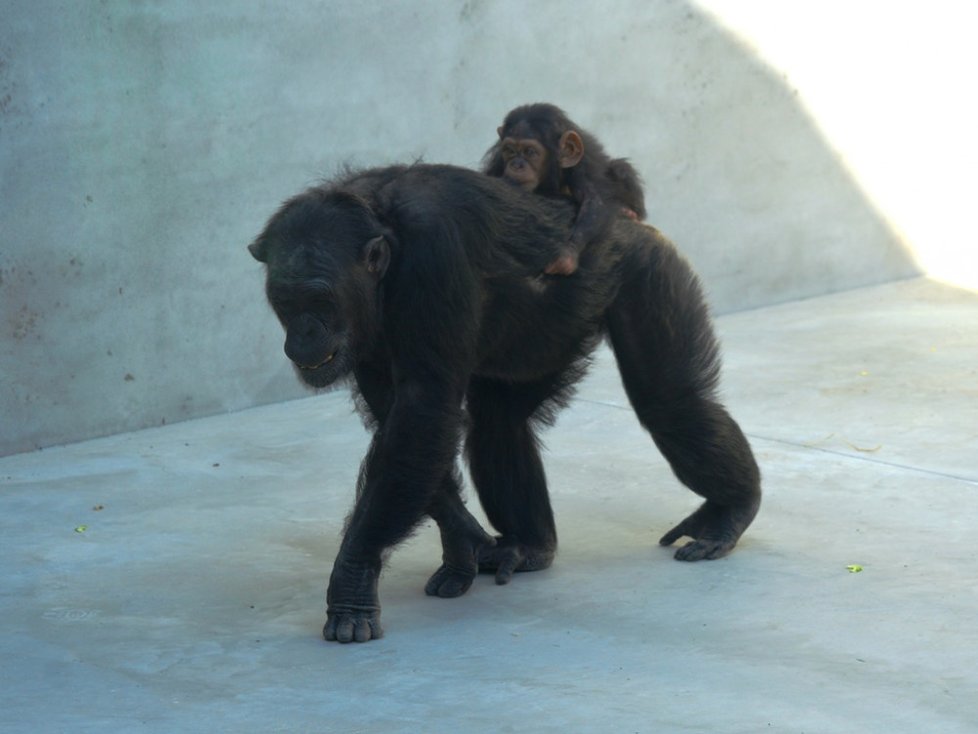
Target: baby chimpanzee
541,150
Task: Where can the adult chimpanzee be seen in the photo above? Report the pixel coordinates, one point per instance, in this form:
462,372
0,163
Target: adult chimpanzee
540,149
423,284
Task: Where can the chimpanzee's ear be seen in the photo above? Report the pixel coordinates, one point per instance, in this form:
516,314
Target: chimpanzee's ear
570,149
258,250
499,132
377,256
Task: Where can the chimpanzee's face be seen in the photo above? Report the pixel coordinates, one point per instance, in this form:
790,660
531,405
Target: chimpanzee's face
323,268
524,161
531,161
317,338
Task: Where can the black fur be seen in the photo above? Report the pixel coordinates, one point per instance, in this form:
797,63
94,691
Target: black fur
421,284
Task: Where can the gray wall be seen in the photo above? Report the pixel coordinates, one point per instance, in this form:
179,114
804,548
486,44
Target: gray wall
143,144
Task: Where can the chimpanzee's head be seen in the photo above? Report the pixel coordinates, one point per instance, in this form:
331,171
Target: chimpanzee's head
325,254
537,143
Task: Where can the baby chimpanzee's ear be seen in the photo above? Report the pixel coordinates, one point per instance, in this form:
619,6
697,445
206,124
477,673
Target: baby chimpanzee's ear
570,149
377,256
258,250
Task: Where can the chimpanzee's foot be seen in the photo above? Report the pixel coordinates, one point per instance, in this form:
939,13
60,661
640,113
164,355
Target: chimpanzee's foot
715,529
509,556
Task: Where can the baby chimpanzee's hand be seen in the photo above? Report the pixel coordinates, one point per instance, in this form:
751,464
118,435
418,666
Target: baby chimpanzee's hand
563,265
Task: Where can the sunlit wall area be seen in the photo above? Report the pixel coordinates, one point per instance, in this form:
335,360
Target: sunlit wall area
892,87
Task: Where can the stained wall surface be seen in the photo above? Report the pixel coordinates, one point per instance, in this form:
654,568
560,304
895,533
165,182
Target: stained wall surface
143,145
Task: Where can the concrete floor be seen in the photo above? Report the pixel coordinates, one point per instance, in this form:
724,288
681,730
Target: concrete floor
172,579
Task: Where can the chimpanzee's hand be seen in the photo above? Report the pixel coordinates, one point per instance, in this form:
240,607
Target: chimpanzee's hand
563,265
352,604
462,543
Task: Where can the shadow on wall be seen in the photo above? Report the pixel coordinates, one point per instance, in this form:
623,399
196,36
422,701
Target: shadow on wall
142,147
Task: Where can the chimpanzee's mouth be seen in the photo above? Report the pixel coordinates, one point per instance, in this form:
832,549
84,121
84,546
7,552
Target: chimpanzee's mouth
336,365
329,358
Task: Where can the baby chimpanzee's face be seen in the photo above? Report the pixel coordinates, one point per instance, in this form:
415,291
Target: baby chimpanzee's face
525,160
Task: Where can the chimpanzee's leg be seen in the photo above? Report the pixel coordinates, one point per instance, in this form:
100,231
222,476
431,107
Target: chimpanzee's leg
504,460
669,361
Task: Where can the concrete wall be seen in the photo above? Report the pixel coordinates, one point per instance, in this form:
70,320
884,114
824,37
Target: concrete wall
143,144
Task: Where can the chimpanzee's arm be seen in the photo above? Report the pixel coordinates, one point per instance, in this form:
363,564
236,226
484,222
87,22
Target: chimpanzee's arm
593,217
415,391
411,455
